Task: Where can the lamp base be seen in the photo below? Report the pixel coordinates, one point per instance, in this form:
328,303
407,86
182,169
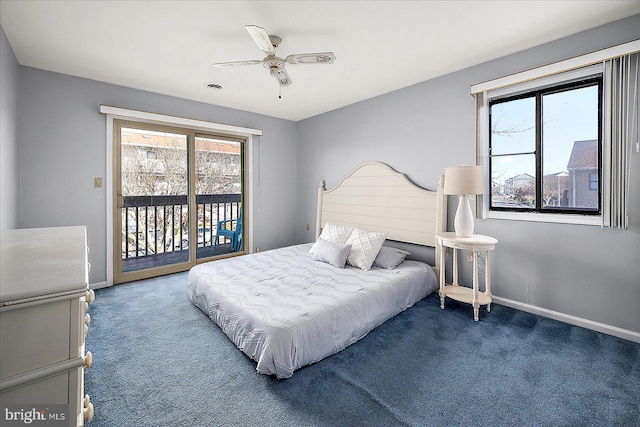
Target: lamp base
463,222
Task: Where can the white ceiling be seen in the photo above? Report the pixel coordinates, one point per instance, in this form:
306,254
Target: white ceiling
169,47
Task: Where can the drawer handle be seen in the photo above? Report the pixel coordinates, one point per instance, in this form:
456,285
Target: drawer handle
88,408
89,266
91,296
88,360
87,319
86,330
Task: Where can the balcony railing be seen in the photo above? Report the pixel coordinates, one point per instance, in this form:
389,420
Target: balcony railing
157,226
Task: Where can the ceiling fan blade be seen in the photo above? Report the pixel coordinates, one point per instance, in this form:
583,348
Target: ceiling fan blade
236,63
261,38
311,58
283,77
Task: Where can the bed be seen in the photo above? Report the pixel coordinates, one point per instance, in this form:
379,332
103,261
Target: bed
294,306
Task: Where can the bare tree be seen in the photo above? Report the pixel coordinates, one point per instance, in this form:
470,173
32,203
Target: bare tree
525,194
162,170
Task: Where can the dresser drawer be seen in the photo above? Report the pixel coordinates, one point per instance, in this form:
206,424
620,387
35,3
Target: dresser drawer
65,388
52,390
34,336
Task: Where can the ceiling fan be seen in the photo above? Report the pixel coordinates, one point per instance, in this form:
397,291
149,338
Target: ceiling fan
274,64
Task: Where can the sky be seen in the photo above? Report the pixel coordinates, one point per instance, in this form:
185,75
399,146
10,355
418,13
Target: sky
567,117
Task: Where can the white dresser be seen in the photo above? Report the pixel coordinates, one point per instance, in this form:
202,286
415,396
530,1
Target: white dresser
44,293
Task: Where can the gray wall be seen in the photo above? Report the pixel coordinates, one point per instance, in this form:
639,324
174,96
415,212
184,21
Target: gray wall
9,164
584,271
63,147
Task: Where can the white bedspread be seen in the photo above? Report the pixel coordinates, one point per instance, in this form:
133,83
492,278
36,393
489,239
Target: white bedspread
285,310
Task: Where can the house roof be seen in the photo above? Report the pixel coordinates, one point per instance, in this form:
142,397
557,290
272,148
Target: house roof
584,155
153,139
520,177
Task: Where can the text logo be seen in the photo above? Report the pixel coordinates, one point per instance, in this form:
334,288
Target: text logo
36,415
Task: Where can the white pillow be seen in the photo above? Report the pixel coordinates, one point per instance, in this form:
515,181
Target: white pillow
365,246
390,258
333,233
331,252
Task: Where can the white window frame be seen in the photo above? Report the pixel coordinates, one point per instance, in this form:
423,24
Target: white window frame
549,75
542,83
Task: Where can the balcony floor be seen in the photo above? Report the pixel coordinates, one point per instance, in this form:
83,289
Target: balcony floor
174,257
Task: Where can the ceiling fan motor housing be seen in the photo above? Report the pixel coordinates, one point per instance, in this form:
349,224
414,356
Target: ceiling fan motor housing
273,63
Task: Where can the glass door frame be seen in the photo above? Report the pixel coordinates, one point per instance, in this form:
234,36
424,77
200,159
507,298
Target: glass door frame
118,201
243,144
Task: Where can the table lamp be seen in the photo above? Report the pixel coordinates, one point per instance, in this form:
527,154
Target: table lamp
464,180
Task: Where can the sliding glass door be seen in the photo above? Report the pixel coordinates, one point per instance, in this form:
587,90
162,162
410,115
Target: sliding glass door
218,188
178,199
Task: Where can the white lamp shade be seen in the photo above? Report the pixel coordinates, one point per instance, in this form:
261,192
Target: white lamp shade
464,180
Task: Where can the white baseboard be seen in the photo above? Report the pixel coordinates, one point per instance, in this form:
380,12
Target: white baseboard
99,285
573,320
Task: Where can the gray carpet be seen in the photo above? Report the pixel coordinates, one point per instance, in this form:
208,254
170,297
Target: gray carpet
160,361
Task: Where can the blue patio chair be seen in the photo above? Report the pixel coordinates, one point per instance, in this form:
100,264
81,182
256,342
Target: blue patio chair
226,229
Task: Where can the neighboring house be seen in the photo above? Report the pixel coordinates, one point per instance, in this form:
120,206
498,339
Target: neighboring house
577,187
154,164
518,182
583,174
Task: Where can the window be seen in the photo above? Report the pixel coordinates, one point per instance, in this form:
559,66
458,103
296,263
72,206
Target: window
545,149
527,123
593,182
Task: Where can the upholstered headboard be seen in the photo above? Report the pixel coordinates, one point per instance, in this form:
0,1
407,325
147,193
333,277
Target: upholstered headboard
375,197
